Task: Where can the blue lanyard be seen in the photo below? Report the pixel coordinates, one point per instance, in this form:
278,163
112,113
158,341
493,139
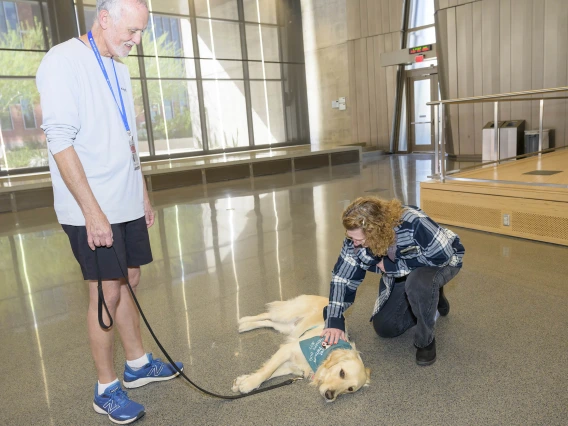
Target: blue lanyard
102,65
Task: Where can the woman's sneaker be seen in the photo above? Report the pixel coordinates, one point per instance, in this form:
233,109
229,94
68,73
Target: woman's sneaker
115,403
154,371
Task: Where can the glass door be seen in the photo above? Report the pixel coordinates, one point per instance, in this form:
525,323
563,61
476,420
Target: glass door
422,88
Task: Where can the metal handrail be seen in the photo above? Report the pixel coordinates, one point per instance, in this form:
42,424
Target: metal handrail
548,98
500,95
489,163
440,121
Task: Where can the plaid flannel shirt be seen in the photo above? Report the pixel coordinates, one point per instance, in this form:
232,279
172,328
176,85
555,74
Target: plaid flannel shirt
419,242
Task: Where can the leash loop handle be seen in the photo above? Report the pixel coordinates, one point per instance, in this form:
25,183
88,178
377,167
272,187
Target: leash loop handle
101,301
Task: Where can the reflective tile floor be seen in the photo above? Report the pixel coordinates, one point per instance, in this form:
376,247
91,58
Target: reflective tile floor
224,252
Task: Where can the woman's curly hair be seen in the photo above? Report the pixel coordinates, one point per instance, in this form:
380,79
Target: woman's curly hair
376,218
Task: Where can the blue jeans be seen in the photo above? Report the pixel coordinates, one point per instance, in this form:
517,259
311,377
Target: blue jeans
413,302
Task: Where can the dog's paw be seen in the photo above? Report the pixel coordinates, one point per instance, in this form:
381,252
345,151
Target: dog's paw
237,382
246,383
244,326
246,319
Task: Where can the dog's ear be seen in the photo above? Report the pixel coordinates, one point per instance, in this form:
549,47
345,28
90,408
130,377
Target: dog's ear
338,356
353,345
368,371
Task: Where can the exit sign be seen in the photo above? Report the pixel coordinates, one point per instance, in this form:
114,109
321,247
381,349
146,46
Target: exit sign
420,49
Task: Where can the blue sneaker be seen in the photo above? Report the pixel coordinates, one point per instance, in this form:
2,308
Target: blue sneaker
154,371
115,402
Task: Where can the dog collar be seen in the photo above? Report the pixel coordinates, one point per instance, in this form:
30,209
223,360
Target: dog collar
315,350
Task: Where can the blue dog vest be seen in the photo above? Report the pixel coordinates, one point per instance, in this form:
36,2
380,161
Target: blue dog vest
316,350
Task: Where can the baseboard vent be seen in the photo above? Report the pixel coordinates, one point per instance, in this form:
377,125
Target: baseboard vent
540,225
473,215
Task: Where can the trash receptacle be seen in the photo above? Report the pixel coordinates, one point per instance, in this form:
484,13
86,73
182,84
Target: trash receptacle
489,144
510,139
531,140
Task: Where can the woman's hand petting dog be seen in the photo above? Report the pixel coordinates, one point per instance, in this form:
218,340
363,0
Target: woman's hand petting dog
333,335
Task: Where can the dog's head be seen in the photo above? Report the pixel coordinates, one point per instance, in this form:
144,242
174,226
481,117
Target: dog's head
342,372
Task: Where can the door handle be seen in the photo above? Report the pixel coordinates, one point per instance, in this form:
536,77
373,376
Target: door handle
421,122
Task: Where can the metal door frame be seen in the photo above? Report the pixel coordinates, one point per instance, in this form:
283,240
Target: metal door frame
412,76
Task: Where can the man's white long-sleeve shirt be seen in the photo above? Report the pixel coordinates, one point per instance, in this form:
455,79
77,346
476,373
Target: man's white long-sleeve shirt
79,111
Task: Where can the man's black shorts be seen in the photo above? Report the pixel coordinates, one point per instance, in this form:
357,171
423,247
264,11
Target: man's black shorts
131,244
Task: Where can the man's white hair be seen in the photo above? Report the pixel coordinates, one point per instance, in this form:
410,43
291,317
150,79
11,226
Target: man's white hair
113,7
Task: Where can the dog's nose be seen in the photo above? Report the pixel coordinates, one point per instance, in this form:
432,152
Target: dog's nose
329,394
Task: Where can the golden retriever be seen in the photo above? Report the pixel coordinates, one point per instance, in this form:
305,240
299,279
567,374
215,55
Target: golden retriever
301,318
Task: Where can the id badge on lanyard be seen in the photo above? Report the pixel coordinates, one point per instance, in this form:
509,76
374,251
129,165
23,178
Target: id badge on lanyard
135,158
121,108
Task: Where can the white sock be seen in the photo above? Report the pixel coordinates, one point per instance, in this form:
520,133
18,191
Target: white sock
103,387
437,316
137,364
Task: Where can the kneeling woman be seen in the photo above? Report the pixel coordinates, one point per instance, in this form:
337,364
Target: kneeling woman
416,257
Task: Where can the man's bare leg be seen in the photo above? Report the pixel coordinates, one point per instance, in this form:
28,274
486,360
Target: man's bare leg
127,318
102,341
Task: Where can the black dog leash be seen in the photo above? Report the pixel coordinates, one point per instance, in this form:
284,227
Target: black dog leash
102,303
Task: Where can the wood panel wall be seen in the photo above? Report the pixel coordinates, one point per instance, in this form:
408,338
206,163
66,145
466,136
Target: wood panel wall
498,46
373,27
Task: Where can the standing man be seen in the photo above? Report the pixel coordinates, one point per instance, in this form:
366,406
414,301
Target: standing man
416,258
100,195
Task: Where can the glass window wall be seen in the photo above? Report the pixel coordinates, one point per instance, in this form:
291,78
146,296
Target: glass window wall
24,39
421,13
421,29
264,11
207,77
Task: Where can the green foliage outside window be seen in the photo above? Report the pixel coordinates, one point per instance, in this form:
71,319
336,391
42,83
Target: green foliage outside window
13,91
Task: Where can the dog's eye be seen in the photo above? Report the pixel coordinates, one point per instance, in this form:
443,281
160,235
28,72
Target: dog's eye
342,374
350,389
